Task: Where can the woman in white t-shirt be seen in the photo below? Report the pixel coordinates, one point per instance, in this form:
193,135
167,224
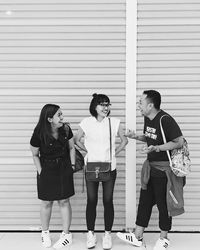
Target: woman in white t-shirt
95,130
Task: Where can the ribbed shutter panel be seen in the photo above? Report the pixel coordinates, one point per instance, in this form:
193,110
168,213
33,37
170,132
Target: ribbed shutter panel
55,52
169,61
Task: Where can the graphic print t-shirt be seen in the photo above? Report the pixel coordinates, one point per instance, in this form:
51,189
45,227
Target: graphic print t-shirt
153,133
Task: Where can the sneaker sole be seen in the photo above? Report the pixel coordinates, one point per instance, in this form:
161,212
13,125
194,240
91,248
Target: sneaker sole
108,248
129,242
91,247
62,246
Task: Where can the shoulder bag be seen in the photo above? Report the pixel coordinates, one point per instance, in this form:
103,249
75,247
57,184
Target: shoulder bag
179,160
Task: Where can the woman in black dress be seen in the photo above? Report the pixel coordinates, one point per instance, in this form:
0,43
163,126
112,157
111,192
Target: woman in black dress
54,157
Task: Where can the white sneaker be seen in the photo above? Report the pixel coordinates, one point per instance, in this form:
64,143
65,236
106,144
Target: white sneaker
91,240
161,244
130,238
107,241
65,240
46,240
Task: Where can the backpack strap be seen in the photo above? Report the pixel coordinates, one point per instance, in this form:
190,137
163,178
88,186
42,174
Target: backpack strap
164,139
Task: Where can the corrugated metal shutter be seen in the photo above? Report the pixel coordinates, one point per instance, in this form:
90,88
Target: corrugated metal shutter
169,61
55,52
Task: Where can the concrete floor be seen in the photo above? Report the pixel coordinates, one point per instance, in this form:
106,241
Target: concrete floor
31,241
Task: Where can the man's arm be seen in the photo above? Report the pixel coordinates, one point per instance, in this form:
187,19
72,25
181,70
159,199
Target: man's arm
176,143
132,135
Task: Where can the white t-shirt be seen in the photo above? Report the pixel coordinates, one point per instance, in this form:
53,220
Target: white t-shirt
97,139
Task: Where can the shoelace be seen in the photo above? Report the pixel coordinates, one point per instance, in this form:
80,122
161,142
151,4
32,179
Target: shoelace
90,238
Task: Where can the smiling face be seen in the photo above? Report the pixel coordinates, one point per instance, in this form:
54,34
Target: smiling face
103,109
145,106
57,120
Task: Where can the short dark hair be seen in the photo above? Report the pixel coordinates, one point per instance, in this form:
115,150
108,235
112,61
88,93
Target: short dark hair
96,100
154,97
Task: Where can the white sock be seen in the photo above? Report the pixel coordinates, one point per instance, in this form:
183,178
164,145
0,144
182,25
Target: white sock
108,232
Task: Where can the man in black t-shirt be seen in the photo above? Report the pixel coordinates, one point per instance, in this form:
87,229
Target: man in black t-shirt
155,192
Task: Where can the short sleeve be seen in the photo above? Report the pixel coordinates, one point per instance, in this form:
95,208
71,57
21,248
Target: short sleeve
66,130
171,128
115,125
84,124
35,140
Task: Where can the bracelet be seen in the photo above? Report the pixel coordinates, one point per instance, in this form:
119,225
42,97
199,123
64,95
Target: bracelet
73,164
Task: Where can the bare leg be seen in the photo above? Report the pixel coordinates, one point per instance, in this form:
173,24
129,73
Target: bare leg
45,214
139,232
66,214
163,234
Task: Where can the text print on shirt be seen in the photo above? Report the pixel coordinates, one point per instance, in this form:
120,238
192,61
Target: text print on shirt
151,133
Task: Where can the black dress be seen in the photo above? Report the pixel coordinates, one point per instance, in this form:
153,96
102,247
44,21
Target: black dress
55,181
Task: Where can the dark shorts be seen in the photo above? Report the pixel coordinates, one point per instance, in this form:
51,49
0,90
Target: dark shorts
55,181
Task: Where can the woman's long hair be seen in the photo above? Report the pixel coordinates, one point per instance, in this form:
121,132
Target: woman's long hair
43,127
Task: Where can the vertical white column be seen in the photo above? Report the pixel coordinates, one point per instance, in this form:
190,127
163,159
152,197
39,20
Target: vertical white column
131,53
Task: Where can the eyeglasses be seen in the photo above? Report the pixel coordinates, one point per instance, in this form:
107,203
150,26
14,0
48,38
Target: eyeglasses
105,105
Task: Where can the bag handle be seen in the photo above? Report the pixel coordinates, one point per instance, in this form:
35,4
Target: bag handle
165,141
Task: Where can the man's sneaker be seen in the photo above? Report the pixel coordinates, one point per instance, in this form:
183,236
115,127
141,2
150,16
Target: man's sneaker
130,238
65,240
46,240
107,241
91,240
161,244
